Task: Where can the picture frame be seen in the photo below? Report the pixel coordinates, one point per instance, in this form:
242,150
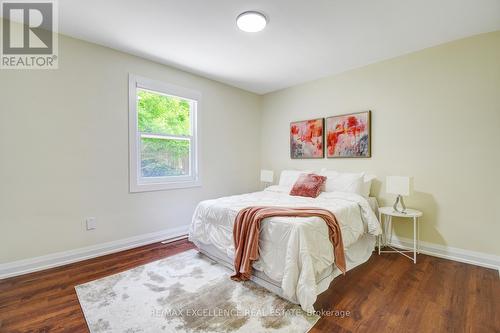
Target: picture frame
348,135
307,139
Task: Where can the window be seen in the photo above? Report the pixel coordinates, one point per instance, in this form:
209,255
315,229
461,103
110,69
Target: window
163,141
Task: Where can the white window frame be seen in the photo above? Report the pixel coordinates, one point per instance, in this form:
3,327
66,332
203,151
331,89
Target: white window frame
143,184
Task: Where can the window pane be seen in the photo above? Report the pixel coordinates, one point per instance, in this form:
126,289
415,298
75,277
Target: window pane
164,157
162,114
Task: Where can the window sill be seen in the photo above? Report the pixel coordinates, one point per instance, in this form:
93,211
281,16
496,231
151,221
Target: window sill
145,187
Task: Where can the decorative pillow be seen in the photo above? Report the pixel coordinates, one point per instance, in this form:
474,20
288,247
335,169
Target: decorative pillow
308,185
289,177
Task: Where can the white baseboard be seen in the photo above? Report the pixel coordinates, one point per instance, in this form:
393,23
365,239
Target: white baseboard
451,253
24,266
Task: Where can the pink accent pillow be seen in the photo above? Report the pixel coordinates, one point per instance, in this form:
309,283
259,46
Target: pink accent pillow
308,185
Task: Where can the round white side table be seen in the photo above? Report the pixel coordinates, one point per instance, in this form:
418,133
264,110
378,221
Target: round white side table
385,216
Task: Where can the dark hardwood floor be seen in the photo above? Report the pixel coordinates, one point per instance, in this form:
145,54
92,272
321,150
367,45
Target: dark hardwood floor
387,294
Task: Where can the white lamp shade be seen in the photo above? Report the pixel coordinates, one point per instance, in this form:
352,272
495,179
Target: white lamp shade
266,176
402,185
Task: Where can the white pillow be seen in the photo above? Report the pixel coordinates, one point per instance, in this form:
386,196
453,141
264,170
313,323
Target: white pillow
367,180
343,181
367,185
289,177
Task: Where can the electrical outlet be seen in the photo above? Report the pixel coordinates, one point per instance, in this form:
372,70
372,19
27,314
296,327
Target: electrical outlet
90,223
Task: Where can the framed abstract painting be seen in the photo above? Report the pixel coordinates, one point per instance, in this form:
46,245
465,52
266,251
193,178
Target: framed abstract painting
306,139
349,135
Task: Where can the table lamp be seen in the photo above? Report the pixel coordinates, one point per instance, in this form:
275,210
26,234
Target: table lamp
402,186
266,176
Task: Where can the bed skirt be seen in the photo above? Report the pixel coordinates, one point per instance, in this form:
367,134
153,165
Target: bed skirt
358,253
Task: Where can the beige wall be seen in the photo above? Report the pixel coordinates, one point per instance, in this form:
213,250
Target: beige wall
64,152
435,116
64,143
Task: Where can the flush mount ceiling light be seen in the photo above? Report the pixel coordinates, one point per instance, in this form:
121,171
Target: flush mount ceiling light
251,21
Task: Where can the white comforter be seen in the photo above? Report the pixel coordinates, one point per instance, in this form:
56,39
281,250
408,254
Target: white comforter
301,244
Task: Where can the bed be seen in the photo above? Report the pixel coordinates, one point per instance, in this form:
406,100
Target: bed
296,256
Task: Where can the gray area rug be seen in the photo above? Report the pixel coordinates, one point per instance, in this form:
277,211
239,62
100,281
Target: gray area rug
187,292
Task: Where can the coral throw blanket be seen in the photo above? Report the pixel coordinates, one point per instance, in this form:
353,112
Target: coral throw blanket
247,228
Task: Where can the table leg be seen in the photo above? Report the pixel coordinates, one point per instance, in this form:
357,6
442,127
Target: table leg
418,236
379,237
391,229
414,240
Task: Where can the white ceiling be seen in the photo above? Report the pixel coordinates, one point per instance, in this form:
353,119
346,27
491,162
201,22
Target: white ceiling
304,40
